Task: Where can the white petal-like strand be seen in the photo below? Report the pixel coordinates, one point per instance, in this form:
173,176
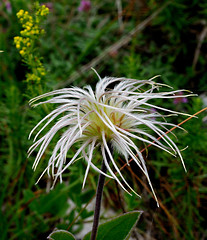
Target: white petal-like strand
116,113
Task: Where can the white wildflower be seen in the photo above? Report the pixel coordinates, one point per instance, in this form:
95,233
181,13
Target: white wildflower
115,114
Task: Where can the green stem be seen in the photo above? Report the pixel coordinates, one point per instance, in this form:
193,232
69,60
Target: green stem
99,193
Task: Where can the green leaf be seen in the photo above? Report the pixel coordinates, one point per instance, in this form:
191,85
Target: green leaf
61,235
117,228
56,201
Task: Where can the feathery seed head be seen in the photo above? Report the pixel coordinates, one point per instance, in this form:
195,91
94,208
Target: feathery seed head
114,114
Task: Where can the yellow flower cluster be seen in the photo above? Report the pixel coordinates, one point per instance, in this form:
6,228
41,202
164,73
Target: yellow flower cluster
25,43
43,11
31,24
36,77
22,44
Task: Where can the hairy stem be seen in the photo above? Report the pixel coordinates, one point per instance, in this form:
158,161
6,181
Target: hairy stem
99,193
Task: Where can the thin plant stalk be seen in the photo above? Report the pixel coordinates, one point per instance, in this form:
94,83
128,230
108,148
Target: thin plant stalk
99,193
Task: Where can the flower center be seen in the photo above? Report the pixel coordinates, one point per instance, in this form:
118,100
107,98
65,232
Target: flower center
102,119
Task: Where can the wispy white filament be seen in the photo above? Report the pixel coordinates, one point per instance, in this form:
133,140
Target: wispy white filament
116,113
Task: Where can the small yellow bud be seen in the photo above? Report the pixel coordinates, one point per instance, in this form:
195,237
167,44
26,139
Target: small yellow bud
16,39
20,13
17,46
21,52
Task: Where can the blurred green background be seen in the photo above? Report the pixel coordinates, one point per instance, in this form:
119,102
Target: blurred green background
135,39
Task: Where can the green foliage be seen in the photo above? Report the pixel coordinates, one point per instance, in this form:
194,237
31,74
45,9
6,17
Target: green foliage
61,235
117,228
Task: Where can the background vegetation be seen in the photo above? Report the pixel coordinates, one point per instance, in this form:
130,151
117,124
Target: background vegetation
148,38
